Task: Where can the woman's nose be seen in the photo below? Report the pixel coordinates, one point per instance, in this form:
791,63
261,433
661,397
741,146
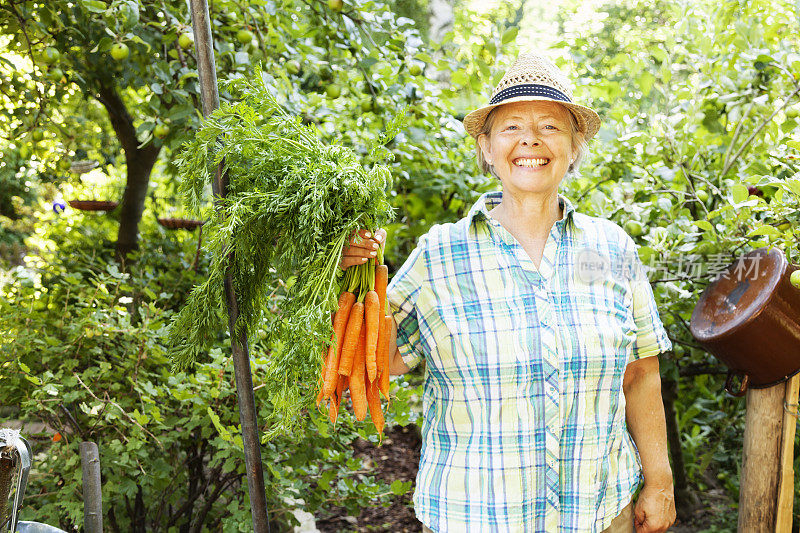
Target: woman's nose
529,139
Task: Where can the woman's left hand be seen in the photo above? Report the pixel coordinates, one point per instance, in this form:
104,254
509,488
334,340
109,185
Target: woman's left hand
655,509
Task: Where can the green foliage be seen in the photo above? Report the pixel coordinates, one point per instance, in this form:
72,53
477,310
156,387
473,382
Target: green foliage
83,349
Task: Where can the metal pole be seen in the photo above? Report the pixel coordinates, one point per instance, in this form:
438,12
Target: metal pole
92,489
204,46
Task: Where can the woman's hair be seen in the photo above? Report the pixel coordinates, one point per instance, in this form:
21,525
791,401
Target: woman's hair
579,143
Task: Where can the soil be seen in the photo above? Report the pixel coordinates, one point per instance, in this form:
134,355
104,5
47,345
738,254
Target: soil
401,449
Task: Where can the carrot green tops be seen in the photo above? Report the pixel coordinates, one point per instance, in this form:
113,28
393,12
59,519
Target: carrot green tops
523,411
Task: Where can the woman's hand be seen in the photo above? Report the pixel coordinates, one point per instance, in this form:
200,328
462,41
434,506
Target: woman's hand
655,508
363,245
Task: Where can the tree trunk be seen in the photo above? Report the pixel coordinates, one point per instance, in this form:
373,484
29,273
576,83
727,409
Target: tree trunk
139,168
139,160
686,501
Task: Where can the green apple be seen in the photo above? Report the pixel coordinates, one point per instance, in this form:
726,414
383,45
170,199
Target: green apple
333,91
55,74
293,67
414,69
366,105
51,55
336,5
120,51
185,41
634,228
702,195
244,36
795,278
161,131
37,135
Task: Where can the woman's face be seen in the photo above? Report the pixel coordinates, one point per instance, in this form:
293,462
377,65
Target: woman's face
530,146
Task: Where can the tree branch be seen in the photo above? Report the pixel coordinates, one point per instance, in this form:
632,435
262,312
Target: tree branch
747,142
121,120
201,517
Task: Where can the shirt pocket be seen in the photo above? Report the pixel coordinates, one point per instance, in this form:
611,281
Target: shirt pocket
477,342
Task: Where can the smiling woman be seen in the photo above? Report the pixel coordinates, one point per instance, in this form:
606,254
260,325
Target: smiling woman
579,143
542,403
529,146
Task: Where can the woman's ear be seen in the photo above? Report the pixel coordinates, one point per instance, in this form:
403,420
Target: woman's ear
576,148
486,148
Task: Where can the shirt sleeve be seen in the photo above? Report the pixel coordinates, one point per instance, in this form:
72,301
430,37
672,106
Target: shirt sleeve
402,294
651,337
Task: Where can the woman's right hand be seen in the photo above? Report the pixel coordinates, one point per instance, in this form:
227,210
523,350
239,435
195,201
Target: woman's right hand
363,245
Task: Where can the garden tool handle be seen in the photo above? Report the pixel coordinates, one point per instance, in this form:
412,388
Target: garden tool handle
24,452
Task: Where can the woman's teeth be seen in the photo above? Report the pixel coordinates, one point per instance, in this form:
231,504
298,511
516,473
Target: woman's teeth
524,162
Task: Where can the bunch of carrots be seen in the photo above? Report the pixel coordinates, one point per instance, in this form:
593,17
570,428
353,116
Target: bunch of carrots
359,354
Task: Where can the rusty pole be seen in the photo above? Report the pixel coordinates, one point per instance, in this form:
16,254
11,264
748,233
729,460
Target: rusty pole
204,46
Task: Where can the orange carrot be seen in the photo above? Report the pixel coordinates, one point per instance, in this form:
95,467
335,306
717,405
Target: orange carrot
358,384
346,301
375,411
380,354
372,319
388,354
381,281
333,408
351,335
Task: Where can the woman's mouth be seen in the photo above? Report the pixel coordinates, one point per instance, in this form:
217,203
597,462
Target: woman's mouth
528,162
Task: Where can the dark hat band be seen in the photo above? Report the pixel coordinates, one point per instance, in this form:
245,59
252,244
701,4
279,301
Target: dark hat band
529,89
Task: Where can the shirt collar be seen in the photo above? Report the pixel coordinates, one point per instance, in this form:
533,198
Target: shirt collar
491,199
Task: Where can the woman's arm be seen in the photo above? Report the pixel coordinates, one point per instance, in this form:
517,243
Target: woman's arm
655,509
396,365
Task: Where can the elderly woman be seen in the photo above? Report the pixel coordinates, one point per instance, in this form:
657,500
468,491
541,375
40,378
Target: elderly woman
542,404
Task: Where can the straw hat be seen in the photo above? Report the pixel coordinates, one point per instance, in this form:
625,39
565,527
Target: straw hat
533,77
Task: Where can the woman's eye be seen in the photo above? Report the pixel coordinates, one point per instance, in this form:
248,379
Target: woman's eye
550,126
511,127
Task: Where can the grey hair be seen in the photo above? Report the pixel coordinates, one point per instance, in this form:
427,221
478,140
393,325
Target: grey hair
579,143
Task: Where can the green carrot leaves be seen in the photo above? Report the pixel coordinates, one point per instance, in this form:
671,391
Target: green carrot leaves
292,203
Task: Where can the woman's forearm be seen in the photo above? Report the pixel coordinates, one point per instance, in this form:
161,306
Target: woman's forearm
646,421
396,365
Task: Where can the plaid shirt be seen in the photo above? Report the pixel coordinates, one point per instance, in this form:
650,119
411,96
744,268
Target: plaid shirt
523,411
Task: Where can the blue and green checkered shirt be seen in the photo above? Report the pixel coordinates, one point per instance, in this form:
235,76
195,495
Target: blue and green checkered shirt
523,411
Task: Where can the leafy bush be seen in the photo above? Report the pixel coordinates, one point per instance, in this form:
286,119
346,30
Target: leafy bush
83,351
